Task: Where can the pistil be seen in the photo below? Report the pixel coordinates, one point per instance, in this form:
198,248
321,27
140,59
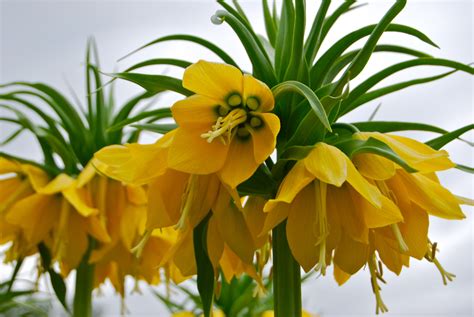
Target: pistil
322,231
224,127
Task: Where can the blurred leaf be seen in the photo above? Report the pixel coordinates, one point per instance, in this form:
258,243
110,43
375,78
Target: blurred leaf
154,83
205,271
156,114
393,126
189,38
156,128
159,61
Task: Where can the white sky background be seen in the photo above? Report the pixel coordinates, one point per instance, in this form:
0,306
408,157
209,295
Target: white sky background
45,41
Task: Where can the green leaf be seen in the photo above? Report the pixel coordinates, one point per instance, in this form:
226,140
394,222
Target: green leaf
296,61
270,26
296,153
154,83
352,147
347,58
350,103
465,168
261,183
12,136
159,61
262,67
327,60
57,281
306,92
189,38
17,268
362,58
284,39
157,114
311,45
156,128
396,87
441,141
393,126
205,271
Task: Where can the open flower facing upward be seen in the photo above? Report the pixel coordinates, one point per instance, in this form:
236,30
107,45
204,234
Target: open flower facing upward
226,126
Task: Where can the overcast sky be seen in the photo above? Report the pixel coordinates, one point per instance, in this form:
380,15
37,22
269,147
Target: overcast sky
45,41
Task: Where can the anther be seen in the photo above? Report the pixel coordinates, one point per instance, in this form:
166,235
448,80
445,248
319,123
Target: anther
255,122
234,100
252,103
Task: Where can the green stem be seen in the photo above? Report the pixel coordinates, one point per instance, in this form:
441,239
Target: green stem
286,276
84,285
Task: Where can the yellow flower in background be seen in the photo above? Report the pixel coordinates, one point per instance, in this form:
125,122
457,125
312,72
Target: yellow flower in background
226,127
323,190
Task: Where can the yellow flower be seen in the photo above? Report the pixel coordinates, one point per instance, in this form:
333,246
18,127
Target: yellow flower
329,205
416,195
226,126
180,199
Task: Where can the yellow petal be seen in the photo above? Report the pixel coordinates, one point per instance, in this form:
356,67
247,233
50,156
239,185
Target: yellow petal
164,199
274,217
37,177
81,200
36,215
351,217
292,184
327,163
86,175
196,110
418,155
214,80
135,164
75,242
414,227
232,227
387,250
97,229
431,196
190,153
377,217
184,258
340,276
373,166
136,195
207,189
240,163
255,219
215,243
58,184
130,224
264,137
351,255
300,229
361,185
7,166
254,88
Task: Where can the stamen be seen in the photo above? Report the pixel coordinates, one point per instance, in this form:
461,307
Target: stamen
234,100
430,256
322,231
255,122
225,126
138,249
187,202
252,103
374,275
398,235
